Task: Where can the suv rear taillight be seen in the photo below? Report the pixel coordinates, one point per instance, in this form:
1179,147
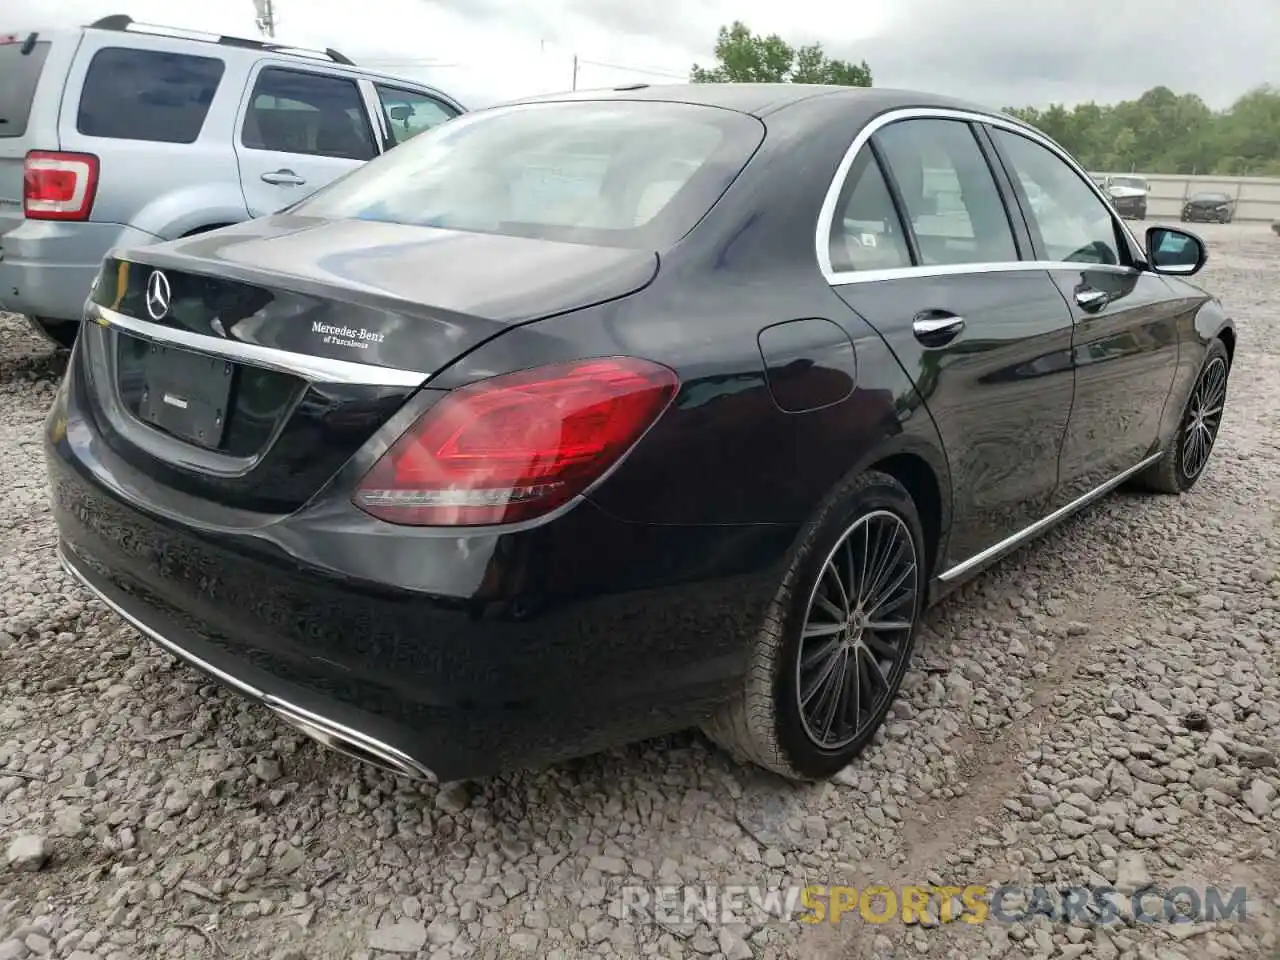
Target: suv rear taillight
516,446
59,186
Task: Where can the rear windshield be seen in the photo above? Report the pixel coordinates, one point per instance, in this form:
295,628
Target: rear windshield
19,73
616,173
1210,196
1135,182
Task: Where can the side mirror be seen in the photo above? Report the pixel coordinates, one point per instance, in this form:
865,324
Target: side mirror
1175,252
401,112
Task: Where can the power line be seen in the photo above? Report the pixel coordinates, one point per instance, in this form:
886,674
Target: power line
629,69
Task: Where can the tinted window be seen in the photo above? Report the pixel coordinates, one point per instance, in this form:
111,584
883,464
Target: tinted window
949,192
1074,224
608,172
292,111
146,95
19,74
866,233
409,114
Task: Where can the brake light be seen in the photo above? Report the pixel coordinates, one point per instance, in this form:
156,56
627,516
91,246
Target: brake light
59,186
516,446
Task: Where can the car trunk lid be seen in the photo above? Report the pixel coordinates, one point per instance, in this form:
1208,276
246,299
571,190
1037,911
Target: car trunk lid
246,366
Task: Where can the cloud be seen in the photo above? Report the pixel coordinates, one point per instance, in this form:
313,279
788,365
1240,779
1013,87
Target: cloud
997,52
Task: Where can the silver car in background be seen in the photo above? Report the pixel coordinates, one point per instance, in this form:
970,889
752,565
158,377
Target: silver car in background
120,134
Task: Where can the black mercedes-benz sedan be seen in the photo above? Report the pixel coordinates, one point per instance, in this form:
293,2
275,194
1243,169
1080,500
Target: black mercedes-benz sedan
597,416
1209,206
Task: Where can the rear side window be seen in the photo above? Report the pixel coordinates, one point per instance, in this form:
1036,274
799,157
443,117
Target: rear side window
19,74
616,173
293,111
147,95
949,192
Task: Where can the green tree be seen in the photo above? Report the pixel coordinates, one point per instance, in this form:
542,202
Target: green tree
744,57
1165,132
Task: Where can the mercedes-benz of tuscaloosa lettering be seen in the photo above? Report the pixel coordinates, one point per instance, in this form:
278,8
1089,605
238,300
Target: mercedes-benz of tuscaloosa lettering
588,418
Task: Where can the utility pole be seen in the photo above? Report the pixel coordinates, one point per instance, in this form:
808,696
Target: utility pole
266,16
575,71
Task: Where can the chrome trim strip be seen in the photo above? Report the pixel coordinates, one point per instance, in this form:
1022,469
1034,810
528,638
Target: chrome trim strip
950,269
1009,543
822,239
291,713
319,369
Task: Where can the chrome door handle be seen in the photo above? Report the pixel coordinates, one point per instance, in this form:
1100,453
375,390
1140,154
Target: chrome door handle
283,178
934,329
1091,300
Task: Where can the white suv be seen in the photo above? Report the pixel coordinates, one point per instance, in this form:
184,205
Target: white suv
119,134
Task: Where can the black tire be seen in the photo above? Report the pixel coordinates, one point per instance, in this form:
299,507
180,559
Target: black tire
765,722
1170,474
61,333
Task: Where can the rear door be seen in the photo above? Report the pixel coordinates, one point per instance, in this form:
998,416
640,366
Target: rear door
1124,341
300,128
923,248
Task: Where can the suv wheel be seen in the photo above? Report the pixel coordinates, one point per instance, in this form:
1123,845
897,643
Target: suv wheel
61,333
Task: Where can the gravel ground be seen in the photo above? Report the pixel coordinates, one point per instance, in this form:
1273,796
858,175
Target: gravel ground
1041,739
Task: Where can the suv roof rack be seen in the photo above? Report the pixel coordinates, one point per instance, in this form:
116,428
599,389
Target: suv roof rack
124,22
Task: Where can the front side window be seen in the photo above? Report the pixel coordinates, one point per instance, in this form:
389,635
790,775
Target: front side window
949,192
147,95
293,111
618,173
409,113
1074,224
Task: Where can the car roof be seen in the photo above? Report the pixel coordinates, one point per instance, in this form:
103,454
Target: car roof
762,99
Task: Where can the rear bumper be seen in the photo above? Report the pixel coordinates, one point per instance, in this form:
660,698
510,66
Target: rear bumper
329,732
515,651
46,267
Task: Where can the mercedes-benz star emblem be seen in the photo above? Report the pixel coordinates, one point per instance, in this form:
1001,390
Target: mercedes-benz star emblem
158,295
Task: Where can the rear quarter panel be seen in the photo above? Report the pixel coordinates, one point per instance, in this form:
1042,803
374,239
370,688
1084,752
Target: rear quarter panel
165,189
725,452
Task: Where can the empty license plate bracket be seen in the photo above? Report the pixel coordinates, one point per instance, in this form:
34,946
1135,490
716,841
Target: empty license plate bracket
186,394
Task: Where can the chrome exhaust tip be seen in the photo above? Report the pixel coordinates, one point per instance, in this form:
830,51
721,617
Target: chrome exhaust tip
348,742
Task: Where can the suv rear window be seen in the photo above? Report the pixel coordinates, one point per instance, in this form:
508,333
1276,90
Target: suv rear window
19,74
616,173
147,95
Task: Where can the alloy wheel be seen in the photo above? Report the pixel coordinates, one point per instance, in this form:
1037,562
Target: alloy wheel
1203,418
857,629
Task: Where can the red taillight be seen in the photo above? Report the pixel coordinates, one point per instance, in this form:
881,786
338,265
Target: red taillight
59,186
516,446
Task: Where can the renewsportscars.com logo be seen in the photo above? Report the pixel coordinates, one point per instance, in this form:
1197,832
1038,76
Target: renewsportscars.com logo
687,905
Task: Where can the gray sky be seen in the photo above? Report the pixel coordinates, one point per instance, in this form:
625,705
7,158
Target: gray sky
997,52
